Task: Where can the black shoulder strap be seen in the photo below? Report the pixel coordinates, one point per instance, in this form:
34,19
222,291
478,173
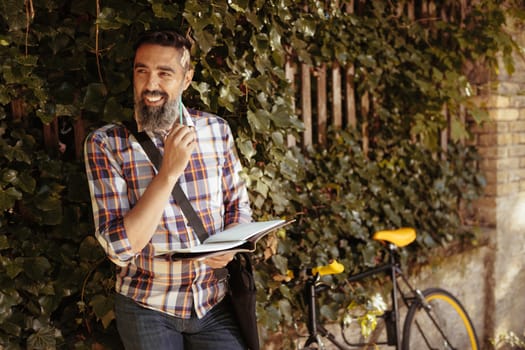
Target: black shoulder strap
177,192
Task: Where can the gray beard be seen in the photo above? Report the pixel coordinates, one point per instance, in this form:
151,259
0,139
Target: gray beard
156,119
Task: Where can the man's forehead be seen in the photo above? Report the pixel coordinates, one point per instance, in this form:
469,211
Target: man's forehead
152,52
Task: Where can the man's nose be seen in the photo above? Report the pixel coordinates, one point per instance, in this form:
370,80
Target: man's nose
152,82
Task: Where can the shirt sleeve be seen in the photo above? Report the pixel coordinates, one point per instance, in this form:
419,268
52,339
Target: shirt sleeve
236,200
109,198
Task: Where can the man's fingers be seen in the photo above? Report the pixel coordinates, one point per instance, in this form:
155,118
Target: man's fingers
181,134
219,260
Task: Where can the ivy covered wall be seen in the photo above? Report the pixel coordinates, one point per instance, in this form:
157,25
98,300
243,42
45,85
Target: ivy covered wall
66,68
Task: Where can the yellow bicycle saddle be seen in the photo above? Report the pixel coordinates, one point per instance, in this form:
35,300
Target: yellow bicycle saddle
400,237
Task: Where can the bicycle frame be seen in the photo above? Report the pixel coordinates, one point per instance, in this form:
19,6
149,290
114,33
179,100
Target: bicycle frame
426,310
392,268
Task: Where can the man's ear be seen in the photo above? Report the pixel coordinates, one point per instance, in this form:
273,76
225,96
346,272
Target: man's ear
188,77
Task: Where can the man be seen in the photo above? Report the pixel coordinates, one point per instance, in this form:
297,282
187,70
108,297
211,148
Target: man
164,304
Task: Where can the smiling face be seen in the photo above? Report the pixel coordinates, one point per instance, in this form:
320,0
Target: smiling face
160,75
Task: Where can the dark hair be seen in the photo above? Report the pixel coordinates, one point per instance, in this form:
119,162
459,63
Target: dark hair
163,38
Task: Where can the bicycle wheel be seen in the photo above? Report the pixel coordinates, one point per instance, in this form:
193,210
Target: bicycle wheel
440,323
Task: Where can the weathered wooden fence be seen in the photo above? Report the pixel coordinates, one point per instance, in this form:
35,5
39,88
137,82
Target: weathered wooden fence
334,100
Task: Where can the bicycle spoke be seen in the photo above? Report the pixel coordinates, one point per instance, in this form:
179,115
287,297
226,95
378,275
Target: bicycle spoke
425,339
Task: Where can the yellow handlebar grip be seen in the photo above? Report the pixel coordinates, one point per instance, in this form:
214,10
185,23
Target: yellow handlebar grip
333,268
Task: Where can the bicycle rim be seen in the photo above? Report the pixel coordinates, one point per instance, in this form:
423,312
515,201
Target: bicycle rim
444,326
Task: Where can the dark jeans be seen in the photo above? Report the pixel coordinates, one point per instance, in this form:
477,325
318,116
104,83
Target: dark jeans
145,329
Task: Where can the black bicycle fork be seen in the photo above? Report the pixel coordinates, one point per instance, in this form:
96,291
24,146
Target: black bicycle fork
310,299
315,330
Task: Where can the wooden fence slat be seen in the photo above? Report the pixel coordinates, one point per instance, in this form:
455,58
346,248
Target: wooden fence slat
445,133
337,112
463,119
411,10
17,108
365,109
51,135
444,15
400,8
80,134
351,112
322,110
432,9
463,14
289,72
306,104
424,9
349,6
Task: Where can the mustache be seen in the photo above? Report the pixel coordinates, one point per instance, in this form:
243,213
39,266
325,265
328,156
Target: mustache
153,93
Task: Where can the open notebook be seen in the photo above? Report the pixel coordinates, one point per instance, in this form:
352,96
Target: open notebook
239,238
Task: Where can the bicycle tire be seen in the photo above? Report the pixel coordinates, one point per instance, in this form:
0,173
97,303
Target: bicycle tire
420,331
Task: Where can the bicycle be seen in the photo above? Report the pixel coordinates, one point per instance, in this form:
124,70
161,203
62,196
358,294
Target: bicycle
435,318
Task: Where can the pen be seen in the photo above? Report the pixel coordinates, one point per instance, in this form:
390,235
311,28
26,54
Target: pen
180,110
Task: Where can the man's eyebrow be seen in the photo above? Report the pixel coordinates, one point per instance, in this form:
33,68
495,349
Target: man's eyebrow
162,68
166,68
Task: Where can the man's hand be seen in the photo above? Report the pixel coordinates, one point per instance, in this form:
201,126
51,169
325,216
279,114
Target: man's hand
178,146
218,261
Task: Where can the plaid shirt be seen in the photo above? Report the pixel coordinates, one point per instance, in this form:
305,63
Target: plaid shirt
118,172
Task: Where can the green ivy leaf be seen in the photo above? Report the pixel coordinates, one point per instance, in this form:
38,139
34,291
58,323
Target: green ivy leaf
26,182
246,148
4,242
48,203
12,269
36,268
103,308
260,120
113,110
43,339
239,5
205,40
8,198
9,298
8,175
170,11
281,263
89,249
94,97
107,19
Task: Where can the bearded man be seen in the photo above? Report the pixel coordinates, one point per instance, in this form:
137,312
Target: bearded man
161,303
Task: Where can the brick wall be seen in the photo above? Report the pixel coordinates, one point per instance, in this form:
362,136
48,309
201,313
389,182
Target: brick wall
501,143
